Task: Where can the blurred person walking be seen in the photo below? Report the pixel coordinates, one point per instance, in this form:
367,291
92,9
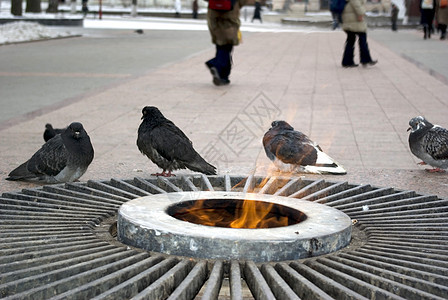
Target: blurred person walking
394,16
354,24
427,10
442,17
257,11
223,19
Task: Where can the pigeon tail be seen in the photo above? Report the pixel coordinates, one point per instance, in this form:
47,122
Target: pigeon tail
20,173
326,165
202,166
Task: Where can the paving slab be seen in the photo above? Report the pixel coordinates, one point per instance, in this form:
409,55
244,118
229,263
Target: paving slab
358,115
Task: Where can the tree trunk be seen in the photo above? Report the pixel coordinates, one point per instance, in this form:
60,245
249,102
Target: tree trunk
52,6
33,6
16,7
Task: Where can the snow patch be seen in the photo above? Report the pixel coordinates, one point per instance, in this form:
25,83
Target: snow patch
27,31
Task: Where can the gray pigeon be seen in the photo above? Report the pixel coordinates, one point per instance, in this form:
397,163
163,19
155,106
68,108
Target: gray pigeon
167,146
64,158
293,151
429,143
50,132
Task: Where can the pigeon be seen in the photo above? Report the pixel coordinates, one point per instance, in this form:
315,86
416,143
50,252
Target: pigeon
51,132
64,158
167,146
292,151
429,143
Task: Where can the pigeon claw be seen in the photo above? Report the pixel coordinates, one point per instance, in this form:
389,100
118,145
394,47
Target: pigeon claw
435,170
164,174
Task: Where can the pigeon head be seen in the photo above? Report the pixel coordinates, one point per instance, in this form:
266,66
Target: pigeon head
75,130
151,112
48,126
281,125
419,123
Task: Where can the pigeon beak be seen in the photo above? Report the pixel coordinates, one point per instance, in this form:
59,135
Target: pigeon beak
77,134
409,128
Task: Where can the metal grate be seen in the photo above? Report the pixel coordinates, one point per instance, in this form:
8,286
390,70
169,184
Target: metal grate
57,242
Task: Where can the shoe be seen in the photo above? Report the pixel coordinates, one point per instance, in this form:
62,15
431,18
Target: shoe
350,66
217,80
370,63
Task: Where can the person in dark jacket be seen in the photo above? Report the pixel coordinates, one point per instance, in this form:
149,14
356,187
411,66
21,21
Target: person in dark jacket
394,16
224,28
442,18
257,12
427,10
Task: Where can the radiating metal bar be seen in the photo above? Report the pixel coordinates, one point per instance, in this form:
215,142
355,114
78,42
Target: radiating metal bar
101,186
136,284
236,291
345,193
92,288
379,280
214,281
256,282
92,191
309,189
329,285
127,186
148,186
357,285
303,287
290,187
166,284
167,185
206,184
279,287
324,192
188,185
191,284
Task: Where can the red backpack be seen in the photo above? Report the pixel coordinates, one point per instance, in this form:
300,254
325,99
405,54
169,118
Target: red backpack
222,5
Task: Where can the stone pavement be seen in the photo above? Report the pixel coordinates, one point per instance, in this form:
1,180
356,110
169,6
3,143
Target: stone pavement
359,116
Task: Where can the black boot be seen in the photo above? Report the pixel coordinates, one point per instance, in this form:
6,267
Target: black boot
425,32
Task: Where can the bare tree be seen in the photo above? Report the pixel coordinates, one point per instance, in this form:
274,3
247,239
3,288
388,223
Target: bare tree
52,6
16,7
33,6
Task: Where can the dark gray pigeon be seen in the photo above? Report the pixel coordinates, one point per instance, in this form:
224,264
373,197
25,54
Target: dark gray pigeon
50,132
429,143
64,158
167,146
293,151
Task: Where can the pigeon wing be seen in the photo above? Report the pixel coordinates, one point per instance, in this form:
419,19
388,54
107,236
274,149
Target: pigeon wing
172,144
293,147
436,142
50,159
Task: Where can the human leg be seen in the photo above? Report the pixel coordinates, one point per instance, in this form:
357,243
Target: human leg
442,31
365,57
347,58
220,66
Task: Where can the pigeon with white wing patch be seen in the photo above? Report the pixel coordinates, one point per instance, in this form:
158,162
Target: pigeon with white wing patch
293,151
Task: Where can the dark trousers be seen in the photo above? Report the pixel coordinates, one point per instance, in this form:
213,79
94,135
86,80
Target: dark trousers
442,28
222,60
349,51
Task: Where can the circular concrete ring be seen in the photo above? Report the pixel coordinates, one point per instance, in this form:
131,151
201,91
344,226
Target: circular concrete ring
144,223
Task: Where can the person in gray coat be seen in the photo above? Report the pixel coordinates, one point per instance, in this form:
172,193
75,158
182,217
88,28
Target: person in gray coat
354,24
